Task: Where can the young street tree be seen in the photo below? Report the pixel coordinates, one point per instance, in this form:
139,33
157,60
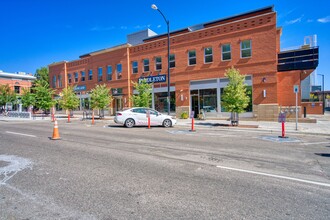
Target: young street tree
143,98
235,98
6,95
43,96
27,98
100,98
69,101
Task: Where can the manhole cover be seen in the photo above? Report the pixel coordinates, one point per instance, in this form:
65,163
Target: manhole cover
279,139
181,132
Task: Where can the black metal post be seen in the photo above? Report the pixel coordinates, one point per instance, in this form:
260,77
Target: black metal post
168,60
323,93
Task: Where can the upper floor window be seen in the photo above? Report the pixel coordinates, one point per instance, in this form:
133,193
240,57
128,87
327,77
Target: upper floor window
135,67
60,81
146,65
54,82
158,63
17,89
69,78
119,70
109,72
246,50
90,74
76,77
208,55
82,76
99,74
226,52
191,57
172,60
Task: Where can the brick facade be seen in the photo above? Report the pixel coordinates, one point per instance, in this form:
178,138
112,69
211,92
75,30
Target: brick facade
269,87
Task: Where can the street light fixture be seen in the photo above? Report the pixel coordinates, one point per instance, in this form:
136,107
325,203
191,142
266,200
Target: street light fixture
323,94
153,6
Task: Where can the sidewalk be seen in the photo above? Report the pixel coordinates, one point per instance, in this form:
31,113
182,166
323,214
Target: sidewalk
321,127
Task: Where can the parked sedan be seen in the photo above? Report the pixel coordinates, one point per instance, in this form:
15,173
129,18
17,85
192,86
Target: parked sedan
138,116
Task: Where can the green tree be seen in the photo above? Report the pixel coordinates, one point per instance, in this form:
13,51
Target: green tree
43,96
42,76
143,98
27,98
235,98
7,95
69,100
100,97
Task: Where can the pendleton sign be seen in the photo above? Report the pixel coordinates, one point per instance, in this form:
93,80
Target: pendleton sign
154,79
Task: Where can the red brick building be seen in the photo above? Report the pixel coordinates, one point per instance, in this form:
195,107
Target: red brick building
16,82
199,56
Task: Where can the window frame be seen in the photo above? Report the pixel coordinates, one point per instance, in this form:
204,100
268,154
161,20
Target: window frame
99,74
135,68
146,65
172,60
76,76
69,78
225,52
90,74
190,58
17,89
59,81
246,49
83,76
119,70
158,63
207,56
54,81
109,72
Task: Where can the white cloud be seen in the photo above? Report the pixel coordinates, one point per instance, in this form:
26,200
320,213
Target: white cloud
297,20
159,26
123,27
142,26
284,14
310,20
98,28
324,20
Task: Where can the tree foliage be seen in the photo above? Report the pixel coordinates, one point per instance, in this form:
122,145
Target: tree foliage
42,76
100,97
6,95
43,96
27,98
235,97
143,98
69,100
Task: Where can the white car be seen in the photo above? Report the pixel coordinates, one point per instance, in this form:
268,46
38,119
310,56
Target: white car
138,116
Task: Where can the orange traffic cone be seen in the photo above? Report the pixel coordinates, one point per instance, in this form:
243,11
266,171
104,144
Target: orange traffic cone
56,135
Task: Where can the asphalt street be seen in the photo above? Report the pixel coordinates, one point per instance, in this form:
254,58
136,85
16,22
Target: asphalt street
107,171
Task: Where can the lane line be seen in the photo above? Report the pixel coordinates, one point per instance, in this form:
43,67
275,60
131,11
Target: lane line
275,176
316,143
28,135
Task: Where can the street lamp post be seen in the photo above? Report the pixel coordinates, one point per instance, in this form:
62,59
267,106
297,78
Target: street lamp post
323,94
153,6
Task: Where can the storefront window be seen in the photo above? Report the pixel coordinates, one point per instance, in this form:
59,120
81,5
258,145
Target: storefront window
204,100
161,101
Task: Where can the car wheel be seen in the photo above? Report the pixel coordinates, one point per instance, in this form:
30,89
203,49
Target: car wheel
167,123
129,123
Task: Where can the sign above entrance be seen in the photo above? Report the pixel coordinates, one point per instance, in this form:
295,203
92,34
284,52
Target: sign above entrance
154,79
80,88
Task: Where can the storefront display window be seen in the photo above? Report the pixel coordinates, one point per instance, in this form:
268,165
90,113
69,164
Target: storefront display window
161,101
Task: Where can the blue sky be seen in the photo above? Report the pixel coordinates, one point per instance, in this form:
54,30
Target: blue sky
35,33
